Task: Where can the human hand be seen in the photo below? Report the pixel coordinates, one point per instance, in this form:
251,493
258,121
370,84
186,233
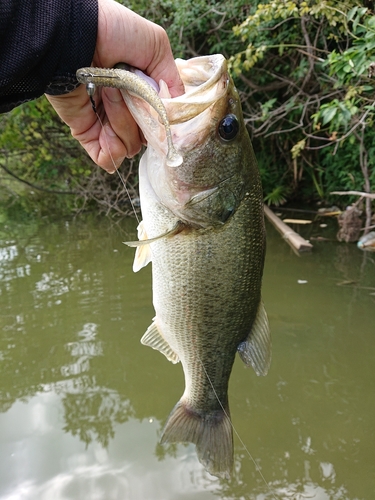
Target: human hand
123,36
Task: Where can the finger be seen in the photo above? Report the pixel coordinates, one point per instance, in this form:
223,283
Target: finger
104,146
138,42
76,111
162,66
122,122
100,140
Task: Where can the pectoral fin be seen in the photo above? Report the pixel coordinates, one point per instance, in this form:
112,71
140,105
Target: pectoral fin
142,258
145,241
153,338
143,252
255,351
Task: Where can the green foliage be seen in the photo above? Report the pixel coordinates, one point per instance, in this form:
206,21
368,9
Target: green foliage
195,28
40,161
303,70
277,196
306,68
35,145
337,114
349,65
341,168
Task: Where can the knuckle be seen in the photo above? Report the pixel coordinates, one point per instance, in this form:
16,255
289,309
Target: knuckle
133,150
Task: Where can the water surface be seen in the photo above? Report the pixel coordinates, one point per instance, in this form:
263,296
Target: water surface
82,402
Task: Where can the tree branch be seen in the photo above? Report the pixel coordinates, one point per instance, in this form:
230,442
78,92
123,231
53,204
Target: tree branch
354,193
34,186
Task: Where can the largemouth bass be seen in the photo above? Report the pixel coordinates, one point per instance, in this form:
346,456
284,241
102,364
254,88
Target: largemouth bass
203,230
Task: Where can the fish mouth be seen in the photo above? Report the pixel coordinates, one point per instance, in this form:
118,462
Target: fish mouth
206,81
195,192
192,115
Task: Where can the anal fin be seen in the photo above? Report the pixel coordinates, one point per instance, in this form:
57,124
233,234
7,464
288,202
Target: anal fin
153,338
255,351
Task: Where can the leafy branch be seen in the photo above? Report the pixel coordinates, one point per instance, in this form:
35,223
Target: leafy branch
305,83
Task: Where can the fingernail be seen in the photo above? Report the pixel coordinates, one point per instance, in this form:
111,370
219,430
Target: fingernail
109,130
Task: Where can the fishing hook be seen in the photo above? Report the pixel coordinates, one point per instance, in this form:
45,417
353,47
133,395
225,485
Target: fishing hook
90,88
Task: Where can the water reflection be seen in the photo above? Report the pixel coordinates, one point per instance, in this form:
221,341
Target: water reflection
82,401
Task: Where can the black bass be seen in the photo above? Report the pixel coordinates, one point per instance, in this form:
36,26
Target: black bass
203,230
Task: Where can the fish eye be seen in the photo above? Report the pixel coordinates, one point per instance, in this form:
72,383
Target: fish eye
229,127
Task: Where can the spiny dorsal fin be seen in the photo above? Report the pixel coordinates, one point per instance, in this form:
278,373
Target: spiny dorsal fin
153,338
255,351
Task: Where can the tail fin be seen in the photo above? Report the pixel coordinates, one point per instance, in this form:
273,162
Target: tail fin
210,432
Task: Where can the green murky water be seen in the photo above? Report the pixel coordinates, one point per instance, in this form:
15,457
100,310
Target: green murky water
82,402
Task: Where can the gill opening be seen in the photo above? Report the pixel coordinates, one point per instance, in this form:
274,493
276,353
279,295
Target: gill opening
257,468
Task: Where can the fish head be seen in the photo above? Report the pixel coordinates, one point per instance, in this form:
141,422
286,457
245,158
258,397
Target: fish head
209,132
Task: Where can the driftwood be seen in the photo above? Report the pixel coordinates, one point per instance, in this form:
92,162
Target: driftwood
350,224
368,197
295,240
297,221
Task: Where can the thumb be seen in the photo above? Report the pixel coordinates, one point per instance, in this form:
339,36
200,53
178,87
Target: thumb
124,36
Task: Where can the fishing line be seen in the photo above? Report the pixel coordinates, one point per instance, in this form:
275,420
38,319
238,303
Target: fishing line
113,161
257,468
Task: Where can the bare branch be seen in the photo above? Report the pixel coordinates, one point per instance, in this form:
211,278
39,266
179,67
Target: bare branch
263,88
34,186
310,52
354,193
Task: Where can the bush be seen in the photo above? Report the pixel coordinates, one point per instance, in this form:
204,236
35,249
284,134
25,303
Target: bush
38,152
303,70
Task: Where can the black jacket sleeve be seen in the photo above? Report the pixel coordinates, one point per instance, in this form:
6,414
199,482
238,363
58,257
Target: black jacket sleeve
42,44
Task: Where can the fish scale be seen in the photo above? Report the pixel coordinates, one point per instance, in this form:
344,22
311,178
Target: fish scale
212,312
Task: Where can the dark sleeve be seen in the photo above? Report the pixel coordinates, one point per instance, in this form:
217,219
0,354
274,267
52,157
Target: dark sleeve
42,44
